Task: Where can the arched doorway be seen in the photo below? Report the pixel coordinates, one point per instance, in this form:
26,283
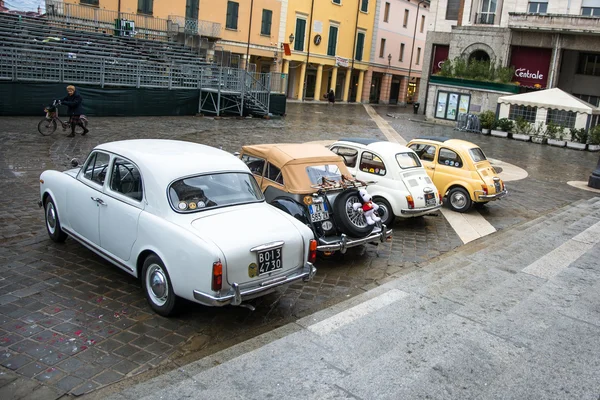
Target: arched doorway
479,55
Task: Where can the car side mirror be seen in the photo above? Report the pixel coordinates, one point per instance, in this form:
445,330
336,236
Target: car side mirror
74,163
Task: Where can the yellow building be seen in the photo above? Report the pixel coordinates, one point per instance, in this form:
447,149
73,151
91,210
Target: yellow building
233,16
330,45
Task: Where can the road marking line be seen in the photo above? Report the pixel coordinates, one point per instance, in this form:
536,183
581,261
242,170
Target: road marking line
389,132
352,314
560,258
469,226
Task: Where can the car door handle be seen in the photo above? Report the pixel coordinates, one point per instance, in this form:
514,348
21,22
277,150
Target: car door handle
431,167
99,201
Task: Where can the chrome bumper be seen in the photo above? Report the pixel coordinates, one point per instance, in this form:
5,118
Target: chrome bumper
490,197
235,295
344,243
423,210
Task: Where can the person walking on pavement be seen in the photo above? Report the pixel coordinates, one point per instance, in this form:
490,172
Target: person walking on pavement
74,102
331,97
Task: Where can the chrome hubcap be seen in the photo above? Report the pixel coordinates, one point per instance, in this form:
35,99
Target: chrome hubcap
156,281
458,200
382,212
51,218
355,217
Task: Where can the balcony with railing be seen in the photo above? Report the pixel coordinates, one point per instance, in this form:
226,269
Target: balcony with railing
566,23
485,18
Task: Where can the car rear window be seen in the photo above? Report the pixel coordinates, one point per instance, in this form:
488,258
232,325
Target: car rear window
214,190
317,172
477,154
408,160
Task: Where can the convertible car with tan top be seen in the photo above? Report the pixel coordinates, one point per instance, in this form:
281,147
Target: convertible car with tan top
314,185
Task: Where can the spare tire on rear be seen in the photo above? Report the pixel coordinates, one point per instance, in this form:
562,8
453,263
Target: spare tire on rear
349,221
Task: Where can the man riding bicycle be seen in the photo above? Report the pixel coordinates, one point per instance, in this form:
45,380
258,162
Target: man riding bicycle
73,101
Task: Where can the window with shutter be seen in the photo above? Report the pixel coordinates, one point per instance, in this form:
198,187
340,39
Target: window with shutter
364,6
452,10
191,9
300,32
333,32
145,6
265,28
360,44
232,15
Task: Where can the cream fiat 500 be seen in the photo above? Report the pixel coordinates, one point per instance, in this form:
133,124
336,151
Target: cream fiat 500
189,220
402,189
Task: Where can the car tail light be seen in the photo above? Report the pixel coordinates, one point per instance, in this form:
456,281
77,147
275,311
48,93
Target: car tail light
485,190
217,276
411,202
441,197
312,251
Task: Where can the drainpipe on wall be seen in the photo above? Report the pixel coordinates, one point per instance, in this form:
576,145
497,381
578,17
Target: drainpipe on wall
312,6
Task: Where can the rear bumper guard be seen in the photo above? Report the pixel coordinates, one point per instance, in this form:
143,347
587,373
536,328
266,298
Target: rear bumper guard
345,242
490,197
423,210
235,295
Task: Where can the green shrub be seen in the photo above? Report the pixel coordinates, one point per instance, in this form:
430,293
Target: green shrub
460,68
537,129
487,119
477,70
523,127
504,124
446,69
594,135
579,135
554,131
505,74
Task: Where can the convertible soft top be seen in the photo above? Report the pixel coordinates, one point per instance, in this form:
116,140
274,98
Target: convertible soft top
292,159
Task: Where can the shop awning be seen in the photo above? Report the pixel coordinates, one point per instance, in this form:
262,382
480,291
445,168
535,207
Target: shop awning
551,98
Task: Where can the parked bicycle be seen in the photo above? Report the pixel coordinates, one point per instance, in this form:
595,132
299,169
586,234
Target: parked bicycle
48,125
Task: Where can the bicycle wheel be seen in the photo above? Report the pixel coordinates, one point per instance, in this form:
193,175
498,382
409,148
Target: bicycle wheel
47,126
78,128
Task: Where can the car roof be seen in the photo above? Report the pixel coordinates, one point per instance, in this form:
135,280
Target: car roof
447,141
380,146
168,160
282,154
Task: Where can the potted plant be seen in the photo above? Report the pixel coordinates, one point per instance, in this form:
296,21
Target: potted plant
538,133
487,120
594,139
555,133
522,130
503,126
578,139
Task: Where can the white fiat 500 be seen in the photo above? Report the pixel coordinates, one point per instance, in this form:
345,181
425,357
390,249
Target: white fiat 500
402,189
189,220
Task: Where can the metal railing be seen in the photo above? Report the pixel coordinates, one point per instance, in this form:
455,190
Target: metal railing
19,64
144,25
485,18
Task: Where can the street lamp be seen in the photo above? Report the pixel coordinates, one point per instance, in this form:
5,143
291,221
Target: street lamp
291,38
413,48
594,181
249,29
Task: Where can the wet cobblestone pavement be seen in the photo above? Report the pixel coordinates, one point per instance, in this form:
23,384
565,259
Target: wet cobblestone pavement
75,323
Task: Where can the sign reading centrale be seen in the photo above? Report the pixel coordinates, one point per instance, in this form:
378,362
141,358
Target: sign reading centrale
531,66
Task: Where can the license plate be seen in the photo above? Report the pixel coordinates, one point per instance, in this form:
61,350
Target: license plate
497,186
269,260
318,212
429,199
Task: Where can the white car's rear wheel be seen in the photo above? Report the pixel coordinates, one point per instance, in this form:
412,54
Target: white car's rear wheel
52,222
157,286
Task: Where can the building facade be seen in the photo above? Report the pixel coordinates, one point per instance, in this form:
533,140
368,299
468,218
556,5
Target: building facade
327,46
396,58
550,43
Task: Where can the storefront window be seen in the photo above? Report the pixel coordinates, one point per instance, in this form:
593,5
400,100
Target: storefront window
561,117
526,112
449,105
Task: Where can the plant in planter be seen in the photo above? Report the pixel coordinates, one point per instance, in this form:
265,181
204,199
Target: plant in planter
594,139
487,120
538,133
503,126
578,139
522,130
555,133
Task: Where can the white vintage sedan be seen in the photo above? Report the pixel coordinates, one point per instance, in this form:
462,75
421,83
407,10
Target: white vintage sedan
402,189
189,220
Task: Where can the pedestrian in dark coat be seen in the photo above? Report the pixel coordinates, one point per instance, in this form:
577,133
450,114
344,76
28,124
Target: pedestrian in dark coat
74,102
331,97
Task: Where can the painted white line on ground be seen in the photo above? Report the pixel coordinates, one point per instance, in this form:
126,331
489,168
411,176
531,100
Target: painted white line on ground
352,314
583,185
509,172
389,132
560,258
469,226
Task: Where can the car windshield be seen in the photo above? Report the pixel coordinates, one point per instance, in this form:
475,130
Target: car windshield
214,190
477,154
408,160
329,171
